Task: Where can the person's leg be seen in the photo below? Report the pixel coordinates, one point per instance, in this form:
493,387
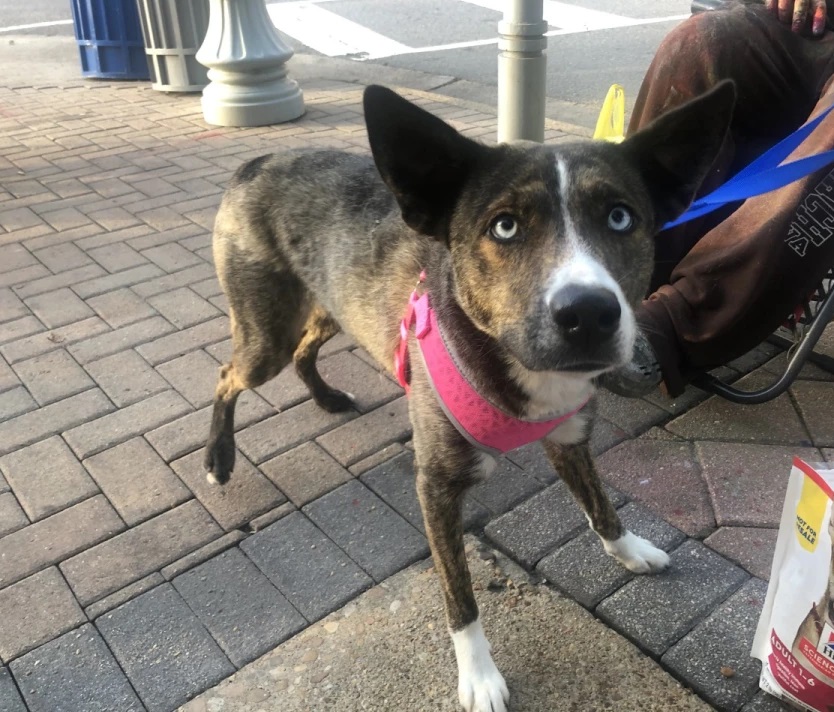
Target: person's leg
721,284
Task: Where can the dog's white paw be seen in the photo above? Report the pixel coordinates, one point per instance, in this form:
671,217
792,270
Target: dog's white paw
637,554
481,688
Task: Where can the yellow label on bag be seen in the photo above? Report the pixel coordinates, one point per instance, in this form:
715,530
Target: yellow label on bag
810,511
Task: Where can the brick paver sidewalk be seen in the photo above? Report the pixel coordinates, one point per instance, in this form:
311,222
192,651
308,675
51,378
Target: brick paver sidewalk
127,583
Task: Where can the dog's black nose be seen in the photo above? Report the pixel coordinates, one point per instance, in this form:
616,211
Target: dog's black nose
586,316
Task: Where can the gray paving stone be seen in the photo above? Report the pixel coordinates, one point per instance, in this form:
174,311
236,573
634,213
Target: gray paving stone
203,554
123,595
51,540
171,257
46,477
10,700
97,435
120,339
36,610
126,377
20,329
655,472
53,376
12,517
121,307
22,275
284,431
307,567
351,374
812,399
722,641
116,257
15,402
51,419
59,308
763,702
365,435
368,530
377,458
182,278
394,482
581,568
533,460
165,651
283,392
741,493
66,278
10,306
242,610
183,308
633,415
189,433
506,487
45,341
74,672
540,524
194,376
8,378
103,282
305,473
196,337
271,516
752,548
136,481
247,494
656,611
100,570
775,422
16,256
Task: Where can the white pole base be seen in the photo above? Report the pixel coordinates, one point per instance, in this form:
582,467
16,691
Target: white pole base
247,68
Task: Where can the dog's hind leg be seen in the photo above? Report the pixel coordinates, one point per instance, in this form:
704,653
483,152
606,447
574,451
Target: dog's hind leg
575,466
320,327
255,359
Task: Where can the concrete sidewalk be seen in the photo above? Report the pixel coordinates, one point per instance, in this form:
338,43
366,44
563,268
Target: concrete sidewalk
127,583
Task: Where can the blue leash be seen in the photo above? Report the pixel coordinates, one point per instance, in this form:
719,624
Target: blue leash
762,175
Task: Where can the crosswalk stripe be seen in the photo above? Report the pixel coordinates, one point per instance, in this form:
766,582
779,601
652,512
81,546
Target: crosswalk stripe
330,34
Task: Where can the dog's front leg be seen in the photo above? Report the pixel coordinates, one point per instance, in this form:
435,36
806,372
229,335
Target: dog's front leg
575,466
441,483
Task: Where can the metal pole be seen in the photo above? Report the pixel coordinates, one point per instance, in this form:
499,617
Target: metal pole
522,66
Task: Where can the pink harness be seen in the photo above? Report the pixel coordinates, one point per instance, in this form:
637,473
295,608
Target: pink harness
480,422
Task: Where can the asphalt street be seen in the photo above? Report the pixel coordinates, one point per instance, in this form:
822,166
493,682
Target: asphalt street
591,43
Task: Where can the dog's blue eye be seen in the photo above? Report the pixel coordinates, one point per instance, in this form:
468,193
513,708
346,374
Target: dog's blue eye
504,227
620,219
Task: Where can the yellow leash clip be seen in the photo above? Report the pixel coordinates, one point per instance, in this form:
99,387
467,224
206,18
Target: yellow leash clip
611,121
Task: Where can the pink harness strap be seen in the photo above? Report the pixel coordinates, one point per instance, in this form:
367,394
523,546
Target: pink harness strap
480,422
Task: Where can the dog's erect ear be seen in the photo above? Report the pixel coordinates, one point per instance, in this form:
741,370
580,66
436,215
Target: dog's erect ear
676,151
422,159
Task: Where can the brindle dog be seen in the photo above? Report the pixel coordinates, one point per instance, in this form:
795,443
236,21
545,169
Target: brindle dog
535,256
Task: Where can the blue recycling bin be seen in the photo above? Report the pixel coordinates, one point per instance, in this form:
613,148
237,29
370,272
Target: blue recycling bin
109,38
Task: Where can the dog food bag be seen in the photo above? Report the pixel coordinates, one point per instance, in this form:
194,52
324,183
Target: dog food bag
795,637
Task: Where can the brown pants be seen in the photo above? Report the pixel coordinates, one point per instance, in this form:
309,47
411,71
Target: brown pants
724,282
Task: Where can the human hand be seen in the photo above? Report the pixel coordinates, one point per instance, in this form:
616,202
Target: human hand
798,13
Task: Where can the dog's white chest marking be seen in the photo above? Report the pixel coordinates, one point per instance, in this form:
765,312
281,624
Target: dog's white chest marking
481,688
637,554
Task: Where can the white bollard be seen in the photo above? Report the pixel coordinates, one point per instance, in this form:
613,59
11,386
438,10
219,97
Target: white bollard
247,68
522,69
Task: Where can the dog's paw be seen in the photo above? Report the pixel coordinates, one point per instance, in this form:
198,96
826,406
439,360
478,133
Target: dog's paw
637,554
219,462
335,401
485,692
481,687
